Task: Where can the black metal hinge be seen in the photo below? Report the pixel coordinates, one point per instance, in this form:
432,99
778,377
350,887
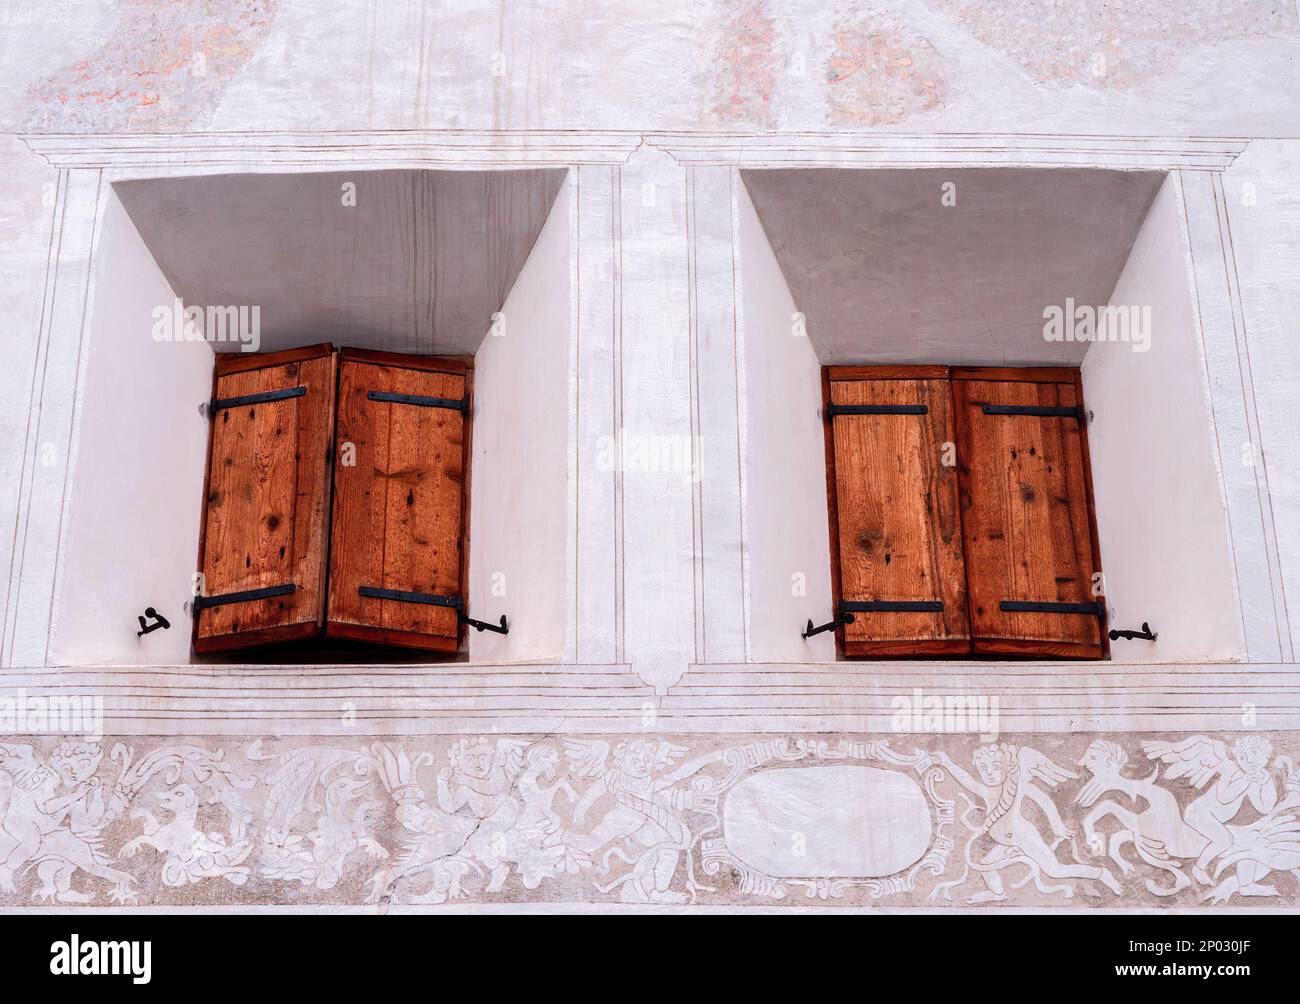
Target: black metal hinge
419,401
848,608
436,600
833,410
1024,607
402,596
893,606
243,596
218,403
1042,411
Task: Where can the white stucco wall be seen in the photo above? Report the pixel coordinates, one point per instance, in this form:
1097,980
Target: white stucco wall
519,495
136,494
971,74
785,465
1160,504
1263,203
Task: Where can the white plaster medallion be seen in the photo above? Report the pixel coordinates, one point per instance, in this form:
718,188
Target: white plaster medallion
828,822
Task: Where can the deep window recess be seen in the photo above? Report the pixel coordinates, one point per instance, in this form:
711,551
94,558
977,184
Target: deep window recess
385,560
961,513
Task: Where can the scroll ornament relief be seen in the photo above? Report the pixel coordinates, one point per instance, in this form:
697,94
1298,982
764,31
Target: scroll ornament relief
632,819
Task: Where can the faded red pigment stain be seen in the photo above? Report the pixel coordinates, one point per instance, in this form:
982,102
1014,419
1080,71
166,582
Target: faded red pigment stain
745,60
165,65
1101,44
881,76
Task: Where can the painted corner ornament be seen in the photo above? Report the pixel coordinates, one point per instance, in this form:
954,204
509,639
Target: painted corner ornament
641,820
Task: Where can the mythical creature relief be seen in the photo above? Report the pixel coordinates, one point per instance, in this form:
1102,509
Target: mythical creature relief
319,815
1009,776
644,827
54,816
1164,837
642,820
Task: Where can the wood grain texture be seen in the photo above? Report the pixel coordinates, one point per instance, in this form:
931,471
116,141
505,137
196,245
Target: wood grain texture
887,372
241,362
1016,374
896,532
266,502
434,364
1026,519
398,518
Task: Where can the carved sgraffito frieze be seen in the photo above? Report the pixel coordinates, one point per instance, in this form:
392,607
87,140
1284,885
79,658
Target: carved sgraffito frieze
1035,820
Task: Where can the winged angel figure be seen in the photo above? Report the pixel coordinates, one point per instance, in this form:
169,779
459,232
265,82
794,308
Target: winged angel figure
1228,778
1008,776
645,817
51,817
491,811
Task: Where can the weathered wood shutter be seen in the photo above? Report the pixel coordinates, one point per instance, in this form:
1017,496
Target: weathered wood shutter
261,552
1030,538
895,529
397,558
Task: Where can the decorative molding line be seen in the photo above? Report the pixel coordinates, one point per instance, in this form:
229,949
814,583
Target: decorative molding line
343,700
334,150
952,150
1230,383
720,699
1039,697
432,148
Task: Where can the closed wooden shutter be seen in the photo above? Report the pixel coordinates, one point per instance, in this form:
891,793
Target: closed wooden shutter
895,529
261,552
397,558
1030,538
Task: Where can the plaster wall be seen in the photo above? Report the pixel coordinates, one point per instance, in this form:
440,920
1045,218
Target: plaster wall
136,493
519,502
785,467
1161,514
1264,207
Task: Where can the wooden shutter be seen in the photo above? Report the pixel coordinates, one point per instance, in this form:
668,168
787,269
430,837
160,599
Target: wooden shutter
1030,536
397,559
895,527
261,551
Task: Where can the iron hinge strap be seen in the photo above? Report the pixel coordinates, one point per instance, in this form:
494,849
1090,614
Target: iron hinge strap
218,403
1025,607
833,410
848,608
892,606
1042,411
405,596
421,402
437,600
243,596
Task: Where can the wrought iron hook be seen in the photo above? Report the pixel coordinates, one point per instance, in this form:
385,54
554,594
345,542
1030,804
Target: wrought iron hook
1144,635
481,626
844,618
159,621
